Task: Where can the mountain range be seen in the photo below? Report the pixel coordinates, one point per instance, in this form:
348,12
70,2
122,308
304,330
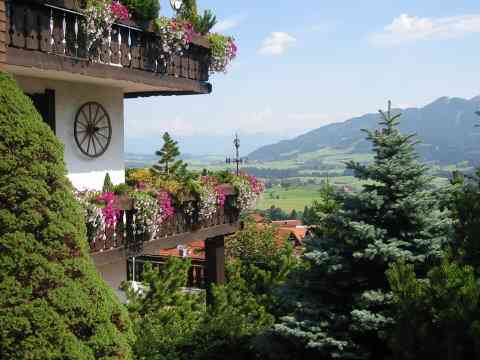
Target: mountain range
446,129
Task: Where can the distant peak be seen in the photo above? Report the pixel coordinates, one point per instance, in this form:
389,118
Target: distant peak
475,99
440,100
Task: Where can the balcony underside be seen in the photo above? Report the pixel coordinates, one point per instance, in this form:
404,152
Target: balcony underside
135,83
154,246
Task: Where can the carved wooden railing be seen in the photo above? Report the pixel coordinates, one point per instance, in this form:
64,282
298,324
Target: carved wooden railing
126,236
196,273
38,26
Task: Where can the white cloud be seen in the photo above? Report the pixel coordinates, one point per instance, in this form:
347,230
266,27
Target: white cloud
276,43
226,24
406,28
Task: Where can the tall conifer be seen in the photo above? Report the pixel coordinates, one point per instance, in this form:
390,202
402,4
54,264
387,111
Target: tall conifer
168,163
343,300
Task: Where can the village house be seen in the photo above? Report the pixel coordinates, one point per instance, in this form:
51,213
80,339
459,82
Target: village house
81,95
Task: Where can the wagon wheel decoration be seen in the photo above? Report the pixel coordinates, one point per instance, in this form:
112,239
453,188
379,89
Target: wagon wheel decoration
92,129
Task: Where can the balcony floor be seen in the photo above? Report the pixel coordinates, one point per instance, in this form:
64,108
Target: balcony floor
134,82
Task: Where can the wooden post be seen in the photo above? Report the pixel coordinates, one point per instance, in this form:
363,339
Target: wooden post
3,34
215,256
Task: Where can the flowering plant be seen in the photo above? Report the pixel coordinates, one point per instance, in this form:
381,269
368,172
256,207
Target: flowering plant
94,220
223,51
208,201
176,35
249,189
110,212
212,196
166,208
148,212
100,16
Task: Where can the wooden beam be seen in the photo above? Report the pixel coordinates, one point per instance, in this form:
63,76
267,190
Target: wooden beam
154,246
215,256
134,95
44,61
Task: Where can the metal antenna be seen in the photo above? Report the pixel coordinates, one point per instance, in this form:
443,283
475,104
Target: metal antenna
237,160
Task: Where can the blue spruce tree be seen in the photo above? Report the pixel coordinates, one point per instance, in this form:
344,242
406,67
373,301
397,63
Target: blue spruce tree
342,301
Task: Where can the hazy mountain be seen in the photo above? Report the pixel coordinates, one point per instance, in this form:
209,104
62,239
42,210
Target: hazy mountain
201,145
446,128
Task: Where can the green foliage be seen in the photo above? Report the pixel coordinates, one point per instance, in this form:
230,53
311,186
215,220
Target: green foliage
168,164
263,261
218,44
438,318
204,23
462,198
121,189
275,214
107,184
143,9
342,302
165,316
189,11
171,323
232,322
53,304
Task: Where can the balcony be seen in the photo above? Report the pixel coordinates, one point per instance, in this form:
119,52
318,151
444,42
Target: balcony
47,39
179,229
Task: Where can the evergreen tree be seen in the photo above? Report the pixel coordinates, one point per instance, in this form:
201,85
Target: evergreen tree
343,299
167,164
165,317
107,184
439,318
143,9
462,198
263,262
189,11
294,214
232,323
172,323
53,304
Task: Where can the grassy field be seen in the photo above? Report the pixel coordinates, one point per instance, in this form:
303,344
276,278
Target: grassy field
289,199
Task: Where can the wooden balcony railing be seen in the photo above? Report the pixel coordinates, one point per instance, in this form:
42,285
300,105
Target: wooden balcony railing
36,25
126,236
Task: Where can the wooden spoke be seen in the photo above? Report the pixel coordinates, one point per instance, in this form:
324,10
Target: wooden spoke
99,142
93,143
105,137
96,114
84,138
88,148
100,119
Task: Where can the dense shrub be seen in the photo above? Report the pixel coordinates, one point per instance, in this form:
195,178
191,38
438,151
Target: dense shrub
143,9
175,324
53,304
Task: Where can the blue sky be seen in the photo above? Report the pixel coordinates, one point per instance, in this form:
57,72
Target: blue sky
304,64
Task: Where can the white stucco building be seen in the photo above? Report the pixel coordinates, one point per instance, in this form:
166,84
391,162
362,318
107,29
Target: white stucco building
84,172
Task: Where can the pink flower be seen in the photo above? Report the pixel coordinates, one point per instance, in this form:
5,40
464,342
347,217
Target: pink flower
232,49
141,185
221,196
110,213
165,201
120,11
